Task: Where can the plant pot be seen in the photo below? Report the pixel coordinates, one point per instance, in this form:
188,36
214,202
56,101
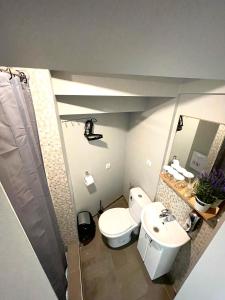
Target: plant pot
201,206
216,203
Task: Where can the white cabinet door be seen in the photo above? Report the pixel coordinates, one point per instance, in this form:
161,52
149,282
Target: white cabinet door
143,241
152,260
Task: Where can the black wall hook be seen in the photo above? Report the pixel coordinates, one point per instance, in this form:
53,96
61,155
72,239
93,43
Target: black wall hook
88,131
180,124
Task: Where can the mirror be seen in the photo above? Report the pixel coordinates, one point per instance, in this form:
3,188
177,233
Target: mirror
199,145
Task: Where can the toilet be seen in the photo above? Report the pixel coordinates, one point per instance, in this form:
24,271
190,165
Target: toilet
117,224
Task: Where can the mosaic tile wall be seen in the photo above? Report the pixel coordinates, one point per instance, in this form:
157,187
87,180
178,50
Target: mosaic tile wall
214,150
52,151
191,252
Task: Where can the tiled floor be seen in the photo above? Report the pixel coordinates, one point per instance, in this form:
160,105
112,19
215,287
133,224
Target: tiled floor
110,274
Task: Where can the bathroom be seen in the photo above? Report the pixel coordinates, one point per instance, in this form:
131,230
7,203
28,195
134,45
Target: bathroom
144,117
129,135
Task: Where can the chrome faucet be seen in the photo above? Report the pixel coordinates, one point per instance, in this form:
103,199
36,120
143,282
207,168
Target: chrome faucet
169,218
167,215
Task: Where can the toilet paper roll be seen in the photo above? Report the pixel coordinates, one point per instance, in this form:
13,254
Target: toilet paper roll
88,180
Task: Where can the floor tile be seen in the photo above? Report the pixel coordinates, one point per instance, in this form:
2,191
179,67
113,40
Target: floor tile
112,274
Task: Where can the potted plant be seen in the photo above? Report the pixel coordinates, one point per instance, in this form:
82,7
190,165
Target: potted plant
209,189
218,184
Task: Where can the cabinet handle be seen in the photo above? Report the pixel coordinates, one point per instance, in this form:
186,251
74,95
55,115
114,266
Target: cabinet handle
148,237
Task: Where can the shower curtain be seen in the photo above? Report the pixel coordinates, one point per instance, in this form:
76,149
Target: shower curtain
23,177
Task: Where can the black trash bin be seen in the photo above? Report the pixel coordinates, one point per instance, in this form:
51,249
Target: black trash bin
86,227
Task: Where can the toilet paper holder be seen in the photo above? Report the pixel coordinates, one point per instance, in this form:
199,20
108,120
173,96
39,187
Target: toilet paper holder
88,179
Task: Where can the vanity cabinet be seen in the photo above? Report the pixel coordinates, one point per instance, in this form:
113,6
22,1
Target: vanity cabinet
143,242
158,260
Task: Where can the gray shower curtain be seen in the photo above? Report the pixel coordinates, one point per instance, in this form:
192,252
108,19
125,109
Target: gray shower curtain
23,177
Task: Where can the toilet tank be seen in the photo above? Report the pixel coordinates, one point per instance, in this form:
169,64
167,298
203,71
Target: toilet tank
137,200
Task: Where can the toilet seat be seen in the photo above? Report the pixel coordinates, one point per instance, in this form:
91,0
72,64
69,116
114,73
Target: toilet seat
116,221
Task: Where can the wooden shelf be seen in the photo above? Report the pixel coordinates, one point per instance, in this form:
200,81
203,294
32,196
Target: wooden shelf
208,215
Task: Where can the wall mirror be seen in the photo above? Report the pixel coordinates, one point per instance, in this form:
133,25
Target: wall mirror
199,145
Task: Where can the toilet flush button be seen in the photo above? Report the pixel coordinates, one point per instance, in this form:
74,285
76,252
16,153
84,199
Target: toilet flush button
148,163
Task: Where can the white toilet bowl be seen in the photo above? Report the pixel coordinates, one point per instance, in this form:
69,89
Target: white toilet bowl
117,224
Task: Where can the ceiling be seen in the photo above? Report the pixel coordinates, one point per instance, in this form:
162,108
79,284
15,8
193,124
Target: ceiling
172,38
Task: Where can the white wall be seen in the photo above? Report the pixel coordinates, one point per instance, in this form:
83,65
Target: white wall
21,276
151,135
153,126
200,106
205,107
93,156
68,105
175,38
65,83
206,281
201,86
147,140
142,134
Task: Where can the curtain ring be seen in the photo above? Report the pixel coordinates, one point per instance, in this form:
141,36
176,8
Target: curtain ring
11,74
23,77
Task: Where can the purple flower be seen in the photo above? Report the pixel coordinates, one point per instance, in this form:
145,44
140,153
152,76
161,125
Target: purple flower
216,181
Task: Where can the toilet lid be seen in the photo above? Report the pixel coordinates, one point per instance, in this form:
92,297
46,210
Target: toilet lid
116,221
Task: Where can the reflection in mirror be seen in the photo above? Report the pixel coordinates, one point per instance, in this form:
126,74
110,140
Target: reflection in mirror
220,160
198,144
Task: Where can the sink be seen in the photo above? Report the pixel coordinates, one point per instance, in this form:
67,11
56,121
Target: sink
159,240
167,234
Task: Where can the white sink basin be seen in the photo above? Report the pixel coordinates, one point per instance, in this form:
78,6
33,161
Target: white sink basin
167,234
